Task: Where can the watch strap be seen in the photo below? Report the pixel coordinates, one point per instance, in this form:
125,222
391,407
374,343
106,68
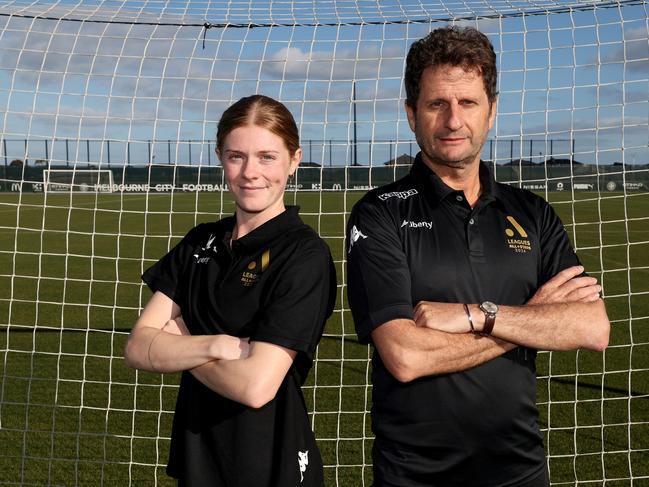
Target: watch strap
489,321
489,309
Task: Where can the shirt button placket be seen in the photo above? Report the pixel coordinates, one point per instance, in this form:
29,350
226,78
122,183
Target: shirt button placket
476,246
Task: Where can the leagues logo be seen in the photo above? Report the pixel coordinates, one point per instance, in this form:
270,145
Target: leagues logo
255,269
517,240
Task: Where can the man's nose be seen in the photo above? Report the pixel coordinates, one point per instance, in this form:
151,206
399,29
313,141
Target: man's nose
454,117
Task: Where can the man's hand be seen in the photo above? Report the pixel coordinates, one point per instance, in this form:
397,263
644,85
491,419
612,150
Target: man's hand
566,287
448,317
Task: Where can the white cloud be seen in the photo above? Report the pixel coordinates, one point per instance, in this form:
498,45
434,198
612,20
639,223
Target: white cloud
634,50
342,64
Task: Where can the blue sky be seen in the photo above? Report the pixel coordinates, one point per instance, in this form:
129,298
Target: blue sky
577,75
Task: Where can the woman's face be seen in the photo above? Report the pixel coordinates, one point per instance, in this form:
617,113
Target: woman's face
257,164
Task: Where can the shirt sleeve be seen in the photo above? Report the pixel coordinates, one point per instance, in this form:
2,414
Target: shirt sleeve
557,253
378,274
299,303
166,274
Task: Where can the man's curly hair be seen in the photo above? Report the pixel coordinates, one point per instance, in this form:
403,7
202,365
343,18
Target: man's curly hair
455,46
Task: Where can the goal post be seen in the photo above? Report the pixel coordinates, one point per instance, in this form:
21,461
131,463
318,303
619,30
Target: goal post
78,180
108,114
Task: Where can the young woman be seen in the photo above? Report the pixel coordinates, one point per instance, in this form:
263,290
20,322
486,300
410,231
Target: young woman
239,306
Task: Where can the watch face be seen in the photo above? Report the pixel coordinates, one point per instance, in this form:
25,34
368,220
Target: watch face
489,307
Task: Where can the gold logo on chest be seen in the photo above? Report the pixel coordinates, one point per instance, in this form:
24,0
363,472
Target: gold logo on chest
518,243
255,268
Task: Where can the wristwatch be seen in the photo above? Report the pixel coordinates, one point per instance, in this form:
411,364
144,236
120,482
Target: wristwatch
490,309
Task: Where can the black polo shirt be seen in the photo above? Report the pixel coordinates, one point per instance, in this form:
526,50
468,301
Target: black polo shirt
276,284
418,239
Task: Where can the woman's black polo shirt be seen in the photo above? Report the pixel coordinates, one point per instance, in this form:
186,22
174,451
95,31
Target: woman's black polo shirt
418,239
276,284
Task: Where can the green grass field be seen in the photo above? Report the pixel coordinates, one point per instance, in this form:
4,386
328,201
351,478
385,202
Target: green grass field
71,412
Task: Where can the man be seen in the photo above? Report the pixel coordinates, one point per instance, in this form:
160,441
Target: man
457,280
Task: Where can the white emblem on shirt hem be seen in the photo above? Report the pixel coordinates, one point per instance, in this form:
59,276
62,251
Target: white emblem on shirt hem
303,461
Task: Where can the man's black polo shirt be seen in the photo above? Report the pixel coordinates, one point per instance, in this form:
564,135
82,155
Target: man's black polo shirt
276,284
417,239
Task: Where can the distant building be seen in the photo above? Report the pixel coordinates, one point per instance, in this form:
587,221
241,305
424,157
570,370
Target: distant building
548,162
402,160
562,162
519,162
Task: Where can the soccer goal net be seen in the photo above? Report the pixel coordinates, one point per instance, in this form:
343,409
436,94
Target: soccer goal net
83,180
108,112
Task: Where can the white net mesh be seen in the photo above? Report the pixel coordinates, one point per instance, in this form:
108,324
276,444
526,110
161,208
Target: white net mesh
131,92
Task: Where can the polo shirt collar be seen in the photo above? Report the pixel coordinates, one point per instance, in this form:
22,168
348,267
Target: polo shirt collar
266,232
437,190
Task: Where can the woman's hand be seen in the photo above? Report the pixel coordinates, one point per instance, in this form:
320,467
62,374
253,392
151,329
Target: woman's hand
176,326
161,342
227,347
223,347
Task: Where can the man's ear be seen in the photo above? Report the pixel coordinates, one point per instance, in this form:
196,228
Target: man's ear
410,112
492,113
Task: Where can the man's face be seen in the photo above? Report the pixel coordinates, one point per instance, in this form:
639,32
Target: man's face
453,116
